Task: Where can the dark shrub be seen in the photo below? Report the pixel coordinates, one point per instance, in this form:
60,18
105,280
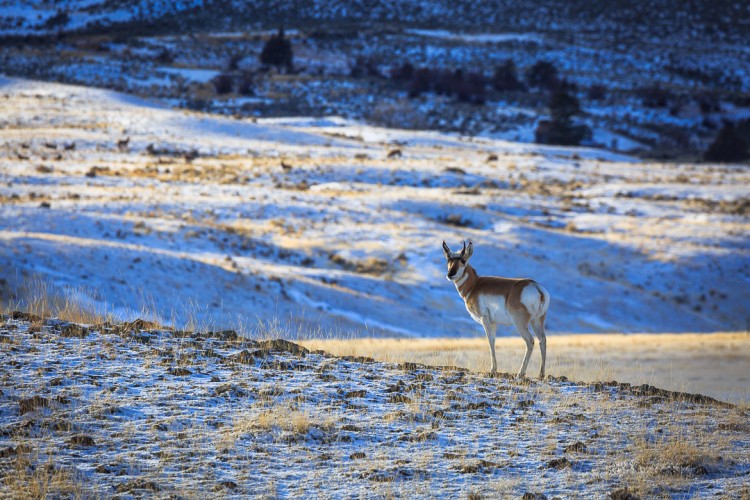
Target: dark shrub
222,83
403,72
245,84
505,78
420,82
164,56
597,92
277,51
472,89
59,20
365,66
446,82
542,74
728,146
709,104
563,106
234,62
561,133
655,96
742,128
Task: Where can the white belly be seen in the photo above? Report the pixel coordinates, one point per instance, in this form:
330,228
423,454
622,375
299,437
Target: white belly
494,307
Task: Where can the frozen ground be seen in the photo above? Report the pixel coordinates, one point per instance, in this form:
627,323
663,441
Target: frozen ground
333,228
135,410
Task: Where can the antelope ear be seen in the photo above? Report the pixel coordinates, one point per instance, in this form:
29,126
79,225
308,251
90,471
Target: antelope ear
469,250
446,250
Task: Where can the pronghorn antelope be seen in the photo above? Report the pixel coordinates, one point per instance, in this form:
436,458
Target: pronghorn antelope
493,301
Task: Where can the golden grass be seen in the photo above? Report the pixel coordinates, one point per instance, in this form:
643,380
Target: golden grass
38,296
713,364
41,480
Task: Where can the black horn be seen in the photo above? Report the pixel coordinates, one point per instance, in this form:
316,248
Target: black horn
463,252
446,250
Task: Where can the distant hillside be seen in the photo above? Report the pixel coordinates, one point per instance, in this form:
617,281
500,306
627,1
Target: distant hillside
721,20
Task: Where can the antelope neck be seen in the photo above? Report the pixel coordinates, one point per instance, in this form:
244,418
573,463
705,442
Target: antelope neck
465,283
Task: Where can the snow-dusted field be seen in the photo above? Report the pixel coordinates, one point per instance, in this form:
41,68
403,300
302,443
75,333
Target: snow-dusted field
134,410
328,227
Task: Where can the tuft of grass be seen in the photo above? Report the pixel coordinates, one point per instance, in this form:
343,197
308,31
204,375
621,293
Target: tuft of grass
675,456
41,480
38,296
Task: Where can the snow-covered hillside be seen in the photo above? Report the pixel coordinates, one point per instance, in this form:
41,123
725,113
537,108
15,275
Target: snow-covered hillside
333,227
139,410
655,85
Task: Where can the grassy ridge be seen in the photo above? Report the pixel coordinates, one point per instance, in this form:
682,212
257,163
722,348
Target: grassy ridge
134,409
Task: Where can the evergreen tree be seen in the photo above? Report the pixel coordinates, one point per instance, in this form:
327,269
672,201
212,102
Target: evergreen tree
505,78
542,74
728,146
277,51
560,129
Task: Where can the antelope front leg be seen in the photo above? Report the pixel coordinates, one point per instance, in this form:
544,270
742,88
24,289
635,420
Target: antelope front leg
489,329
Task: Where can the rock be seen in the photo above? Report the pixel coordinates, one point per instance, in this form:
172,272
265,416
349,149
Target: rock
72,330
484,466
226,335
281,345
245,357
482,405
226,485
179,372
24,316
399,398
137,325
622,494
8,452
419,437
577,447
82,440
137,484
559,463
534,496
397,387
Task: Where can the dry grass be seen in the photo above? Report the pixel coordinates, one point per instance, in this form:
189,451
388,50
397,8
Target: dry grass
34,480
674,456
38,296
711,364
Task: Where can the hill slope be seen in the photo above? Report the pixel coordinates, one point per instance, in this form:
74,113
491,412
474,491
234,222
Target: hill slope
332,227
720,19
137,409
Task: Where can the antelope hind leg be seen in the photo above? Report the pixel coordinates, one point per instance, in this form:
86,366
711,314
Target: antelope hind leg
538,326
523,330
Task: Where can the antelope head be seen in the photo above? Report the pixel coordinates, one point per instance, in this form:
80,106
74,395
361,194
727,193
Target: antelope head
457,260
